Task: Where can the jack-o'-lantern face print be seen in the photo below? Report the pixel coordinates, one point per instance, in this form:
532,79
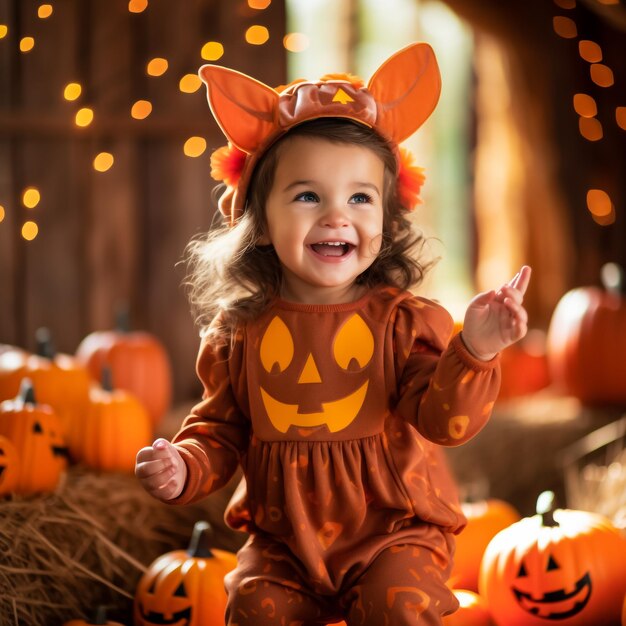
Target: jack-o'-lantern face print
552,599
291,372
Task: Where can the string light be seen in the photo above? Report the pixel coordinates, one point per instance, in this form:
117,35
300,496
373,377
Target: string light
585,105
564,27
212,51
31,197
137,6
157,66
2,213
44,11
194,146
4,31
189,83
30,230
259,4
601,75
601,207
103,162
141,109
84,117
590,128
590,51
257,35
27,44
620,117
72,91
296,42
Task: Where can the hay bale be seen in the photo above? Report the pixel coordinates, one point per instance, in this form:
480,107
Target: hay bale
88,543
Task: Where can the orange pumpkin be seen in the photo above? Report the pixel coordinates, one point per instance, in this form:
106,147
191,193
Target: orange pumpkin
138,361
114,428
59,379
472,611
559,565
185,586
484,520
9,466
585,335
36,432
624,612
99,619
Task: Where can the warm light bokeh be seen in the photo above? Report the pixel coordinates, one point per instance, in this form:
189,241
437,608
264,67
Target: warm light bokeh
141,109
590,51
84,117
72,91
257,35
259,4
157,66
564,27
620,117
31,197
585,105
27,44
29,230
601,75
137,6
2,213
44,11
590,128
4,31
296,42
194,146
599,203
103,162
189,83
212,51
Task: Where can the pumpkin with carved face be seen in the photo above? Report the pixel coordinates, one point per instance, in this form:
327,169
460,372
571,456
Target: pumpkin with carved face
185,587
562,566
9,466
306,384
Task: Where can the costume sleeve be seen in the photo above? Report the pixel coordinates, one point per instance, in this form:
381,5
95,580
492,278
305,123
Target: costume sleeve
443,391
216,432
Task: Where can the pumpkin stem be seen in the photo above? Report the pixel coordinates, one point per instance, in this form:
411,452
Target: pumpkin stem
106,378
45,347
27,391
122,319
546,505
201,540
612,277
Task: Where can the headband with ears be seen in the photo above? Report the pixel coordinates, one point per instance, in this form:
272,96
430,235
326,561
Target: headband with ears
398,99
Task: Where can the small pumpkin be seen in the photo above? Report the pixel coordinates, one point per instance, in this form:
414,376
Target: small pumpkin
36,432
59,379
560,565
485,518
99,619
115,426
138,360
9,466
186,586
472,611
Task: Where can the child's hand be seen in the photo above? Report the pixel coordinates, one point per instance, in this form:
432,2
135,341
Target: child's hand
496,319
161,470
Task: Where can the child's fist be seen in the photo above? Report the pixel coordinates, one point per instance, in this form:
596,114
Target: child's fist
161,470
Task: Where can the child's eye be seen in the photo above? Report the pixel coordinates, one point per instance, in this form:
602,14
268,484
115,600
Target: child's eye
306,196
361,198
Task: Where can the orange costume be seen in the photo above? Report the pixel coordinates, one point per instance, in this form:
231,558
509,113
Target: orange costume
332,412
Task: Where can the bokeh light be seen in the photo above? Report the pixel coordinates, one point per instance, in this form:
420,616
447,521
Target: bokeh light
189,83
84,117
296,42
194,146
4,31
141,109
31,197
44,11
620,117
137,6
157,66
30,230
72,91
27,44
2,213
257,35
590,128
585,105
212,51
103,162
601,207
259,4
564,27
590,51
601,75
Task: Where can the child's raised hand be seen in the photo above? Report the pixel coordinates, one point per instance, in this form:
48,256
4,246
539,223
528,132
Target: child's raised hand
496,319
161,470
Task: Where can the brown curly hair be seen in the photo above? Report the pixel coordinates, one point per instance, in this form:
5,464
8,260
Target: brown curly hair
233,279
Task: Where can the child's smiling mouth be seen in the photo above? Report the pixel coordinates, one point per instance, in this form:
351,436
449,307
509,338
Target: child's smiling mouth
331,248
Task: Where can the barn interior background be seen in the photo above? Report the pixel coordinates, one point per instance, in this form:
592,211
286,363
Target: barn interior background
105,138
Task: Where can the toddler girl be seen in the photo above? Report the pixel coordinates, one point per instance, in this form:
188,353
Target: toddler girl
325,379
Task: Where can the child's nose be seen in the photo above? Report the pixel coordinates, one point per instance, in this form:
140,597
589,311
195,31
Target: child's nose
334,217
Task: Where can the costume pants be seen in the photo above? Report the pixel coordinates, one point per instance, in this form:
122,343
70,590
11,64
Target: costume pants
404,585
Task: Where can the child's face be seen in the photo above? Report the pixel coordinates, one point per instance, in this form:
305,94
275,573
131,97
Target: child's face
325,217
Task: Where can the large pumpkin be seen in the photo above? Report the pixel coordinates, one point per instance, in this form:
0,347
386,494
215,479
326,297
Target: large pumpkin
185,586
59,379
36,432
587,334
472,611
485,519
560,566
138,361
115,426
9,466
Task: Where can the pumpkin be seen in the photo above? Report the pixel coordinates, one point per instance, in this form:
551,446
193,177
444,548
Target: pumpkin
485,519
138,361
59,379
587,333
114,428
99,619
9,466
187,586
472,611
624,612
36,433
560,565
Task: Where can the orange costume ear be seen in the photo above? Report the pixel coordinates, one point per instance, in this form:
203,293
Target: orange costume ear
244,108
406,88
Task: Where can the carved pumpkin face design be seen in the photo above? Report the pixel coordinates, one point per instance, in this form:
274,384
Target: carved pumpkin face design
294,376
8,466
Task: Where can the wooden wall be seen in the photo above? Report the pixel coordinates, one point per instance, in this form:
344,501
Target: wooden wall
112,238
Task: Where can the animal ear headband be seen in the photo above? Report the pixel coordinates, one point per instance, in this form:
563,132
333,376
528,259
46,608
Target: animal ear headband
398,99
